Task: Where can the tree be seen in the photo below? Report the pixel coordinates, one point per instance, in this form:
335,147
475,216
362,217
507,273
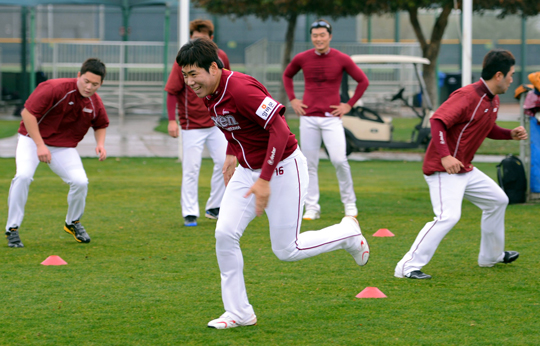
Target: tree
288,10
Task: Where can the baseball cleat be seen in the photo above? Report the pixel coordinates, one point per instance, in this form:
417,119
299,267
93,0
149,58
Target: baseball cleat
77,231
190,221
13,237
360,251
312,215
351,210
417,274
225,321
212,213
510,256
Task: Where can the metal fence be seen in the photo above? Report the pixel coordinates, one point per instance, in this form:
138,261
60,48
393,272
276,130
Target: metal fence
263,61
135,70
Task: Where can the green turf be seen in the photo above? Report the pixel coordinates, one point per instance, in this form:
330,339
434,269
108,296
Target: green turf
147,280
8,128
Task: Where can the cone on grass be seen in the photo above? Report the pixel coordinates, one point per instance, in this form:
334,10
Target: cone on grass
54,261
383,232
371,292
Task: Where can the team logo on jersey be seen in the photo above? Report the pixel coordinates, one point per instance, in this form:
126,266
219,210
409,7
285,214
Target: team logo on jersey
495,109
226,122
71,103
266,108
87,110
272,156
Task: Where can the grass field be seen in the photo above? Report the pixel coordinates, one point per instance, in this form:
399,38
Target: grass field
8,128
402,132
145,279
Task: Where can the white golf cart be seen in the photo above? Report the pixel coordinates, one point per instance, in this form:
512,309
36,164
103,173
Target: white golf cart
390,77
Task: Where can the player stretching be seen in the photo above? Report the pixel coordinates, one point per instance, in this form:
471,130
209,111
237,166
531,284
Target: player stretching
458,128
272,177
55,119
321,110
197,130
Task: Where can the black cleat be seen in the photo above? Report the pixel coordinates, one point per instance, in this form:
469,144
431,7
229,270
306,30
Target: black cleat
510,256
77,231
212,213
417,274
13,237
190,221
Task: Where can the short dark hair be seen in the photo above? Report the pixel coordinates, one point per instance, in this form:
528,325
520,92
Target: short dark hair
95,66
497,60
201,52
321,23
201,25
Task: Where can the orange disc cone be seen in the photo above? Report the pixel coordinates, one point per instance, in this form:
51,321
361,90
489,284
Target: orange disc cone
383,232
371,292
53,261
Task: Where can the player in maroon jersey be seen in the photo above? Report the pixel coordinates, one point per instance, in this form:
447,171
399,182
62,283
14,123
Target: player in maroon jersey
198,130
271,176
55,119
458,128
320,112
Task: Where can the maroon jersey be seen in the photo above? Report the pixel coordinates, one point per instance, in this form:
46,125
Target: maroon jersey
63,115
469,115
192,112
246,113
322,76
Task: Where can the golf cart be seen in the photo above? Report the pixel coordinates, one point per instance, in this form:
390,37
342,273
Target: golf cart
365,129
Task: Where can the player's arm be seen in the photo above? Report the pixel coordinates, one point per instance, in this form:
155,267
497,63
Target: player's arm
497,132
360,77
171,113
292,69
31,125
99,135
438,138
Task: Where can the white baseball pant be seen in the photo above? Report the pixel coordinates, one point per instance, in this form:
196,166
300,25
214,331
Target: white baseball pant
447,192
193,142
284,211
65,162
314,131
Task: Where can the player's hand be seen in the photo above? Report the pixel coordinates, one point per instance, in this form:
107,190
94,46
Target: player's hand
261,190
298,107
44,154
101,152
451,164
173,128
519,133
228,168
341,110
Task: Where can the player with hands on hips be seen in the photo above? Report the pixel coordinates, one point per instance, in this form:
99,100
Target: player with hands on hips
271,177
198,130
321,111
458,128
55,119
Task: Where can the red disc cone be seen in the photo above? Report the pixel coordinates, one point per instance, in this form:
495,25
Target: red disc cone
383,232
371,292
53,261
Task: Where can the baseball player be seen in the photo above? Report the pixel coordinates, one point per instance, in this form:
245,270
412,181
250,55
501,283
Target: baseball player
321,110
197,130
271,176
458,128
55,119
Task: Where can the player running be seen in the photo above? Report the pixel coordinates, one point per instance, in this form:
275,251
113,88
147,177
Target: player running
272,177
458,128
321,110
197,130
55,119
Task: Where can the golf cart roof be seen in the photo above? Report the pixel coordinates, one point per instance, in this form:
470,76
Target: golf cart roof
388,58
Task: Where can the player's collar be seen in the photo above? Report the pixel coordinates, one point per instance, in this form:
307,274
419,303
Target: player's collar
327,52
490,93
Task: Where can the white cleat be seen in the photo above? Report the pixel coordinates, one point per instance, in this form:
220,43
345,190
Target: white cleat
312,215
351,210
225,321
360,251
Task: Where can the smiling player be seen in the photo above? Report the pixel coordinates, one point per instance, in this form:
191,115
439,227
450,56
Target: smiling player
272,177
55,119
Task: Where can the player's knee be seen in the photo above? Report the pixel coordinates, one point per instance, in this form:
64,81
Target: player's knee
79,183
450,219
339,161
225,237
23,178
284,254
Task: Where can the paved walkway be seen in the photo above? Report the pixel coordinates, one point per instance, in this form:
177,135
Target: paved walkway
135,137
